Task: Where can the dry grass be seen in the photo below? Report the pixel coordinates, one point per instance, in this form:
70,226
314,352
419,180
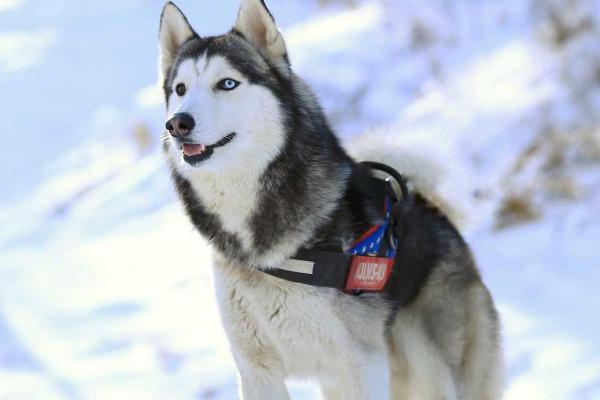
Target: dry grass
526,156
590,146
563,20
421,35
516,209
546,170
562,188
142,137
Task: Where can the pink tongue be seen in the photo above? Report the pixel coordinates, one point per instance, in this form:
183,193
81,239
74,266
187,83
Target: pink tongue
191,150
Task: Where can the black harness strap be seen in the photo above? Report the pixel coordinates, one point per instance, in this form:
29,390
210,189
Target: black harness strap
315,267
328,269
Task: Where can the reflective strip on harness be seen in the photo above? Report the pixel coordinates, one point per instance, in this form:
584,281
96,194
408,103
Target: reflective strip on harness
299,266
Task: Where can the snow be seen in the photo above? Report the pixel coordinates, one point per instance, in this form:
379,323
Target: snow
105,289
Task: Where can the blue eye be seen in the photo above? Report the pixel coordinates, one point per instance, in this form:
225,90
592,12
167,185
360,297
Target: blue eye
227,84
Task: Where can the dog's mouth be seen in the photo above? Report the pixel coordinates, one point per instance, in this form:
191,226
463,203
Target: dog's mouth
193,153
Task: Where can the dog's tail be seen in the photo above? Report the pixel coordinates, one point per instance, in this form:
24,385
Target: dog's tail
430,169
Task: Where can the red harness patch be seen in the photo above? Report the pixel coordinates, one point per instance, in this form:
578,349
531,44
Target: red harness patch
368,273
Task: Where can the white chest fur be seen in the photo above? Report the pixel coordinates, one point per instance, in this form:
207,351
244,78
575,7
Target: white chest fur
308,330
232,197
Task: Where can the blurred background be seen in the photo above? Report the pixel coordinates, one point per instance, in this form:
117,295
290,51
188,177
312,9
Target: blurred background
105,290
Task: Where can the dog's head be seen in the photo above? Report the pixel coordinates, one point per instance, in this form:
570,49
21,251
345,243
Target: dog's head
223,93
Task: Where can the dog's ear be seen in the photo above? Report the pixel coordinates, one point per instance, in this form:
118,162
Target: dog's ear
257,25
174,31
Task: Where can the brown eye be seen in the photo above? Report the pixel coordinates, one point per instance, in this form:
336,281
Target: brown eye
180,89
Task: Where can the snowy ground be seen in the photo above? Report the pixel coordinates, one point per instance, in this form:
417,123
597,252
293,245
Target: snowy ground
105,290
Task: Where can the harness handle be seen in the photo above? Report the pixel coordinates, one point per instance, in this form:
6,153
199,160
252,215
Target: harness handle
393,173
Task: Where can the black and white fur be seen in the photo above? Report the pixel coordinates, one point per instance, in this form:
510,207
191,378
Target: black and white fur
285,181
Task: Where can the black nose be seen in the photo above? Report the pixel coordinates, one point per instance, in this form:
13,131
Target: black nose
180,124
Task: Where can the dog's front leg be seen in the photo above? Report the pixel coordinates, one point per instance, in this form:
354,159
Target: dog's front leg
260,369
261,384
365,378
259,365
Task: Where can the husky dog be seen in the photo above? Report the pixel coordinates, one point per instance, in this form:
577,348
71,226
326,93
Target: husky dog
261,174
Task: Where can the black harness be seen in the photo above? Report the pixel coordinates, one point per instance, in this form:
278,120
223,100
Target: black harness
324,265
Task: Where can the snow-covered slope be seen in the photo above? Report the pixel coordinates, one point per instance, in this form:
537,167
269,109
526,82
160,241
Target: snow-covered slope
105,290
